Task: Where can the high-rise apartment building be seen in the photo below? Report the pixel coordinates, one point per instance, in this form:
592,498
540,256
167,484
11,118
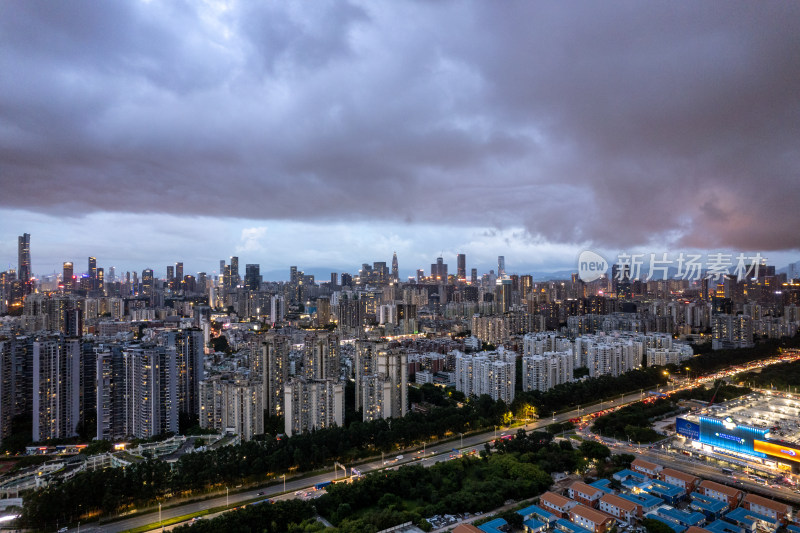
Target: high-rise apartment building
274,371
321,356
137,391
545,371
55,388
493,373
188,347
232,404
315,404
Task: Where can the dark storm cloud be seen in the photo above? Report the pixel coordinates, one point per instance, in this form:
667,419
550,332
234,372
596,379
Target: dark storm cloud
617,124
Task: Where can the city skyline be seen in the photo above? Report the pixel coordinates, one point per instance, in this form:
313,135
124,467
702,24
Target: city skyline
288,136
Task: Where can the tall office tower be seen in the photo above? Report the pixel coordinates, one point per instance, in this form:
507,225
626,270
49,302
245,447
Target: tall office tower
334,279
92,273
179,272
420,275
501,265
171,276
347,280
526,286
274,371
461,267
101,283
201,283
310,405
112,274
502,295
56,388
148,283
364,363
321,356
293,274
188,347
277,309
24,264
232,404
135,284
621,280
474,276
252,276
67,278
235,271
395,269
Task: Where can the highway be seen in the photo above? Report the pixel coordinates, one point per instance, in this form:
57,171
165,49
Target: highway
433,454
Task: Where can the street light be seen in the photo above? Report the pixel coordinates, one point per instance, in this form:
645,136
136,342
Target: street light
160,523
554,416
284,482
462,439
227,497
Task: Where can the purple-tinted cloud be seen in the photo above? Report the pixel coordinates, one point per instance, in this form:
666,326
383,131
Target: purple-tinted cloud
618,124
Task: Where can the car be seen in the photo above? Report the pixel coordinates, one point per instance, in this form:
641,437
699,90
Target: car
62,530
260,493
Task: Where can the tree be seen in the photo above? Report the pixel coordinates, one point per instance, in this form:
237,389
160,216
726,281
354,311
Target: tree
594,450
656,526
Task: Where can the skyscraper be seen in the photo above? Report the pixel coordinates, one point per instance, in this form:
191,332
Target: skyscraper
501,265
252,276
461,267
178,275
148,283
395,269
234,271
24,270
474,275
67,278
92,273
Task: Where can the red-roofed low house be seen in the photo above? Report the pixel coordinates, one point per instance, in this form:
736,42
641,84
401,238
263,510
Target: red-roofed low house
721,493
647,468
620,508
764,506
556,504
585,494
590,519
677,478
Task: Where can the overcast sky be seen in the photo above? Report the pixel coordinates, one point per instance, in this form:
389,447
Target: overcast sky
327,134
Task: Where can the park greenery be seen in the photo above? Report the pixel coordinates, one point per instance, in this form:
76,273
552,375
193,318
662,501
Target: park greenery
516,469
782,376
634,422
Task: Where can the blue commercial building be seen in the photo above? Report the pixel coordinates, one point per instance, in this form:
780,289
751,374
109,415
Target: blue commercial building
669,493
602,484
534,526
721,526
710,507
536,512
566,526
493,526
750,521
647,501
681,517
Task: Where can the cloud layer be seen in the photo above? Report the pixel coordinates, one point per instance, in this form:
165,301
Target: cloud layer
613,125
